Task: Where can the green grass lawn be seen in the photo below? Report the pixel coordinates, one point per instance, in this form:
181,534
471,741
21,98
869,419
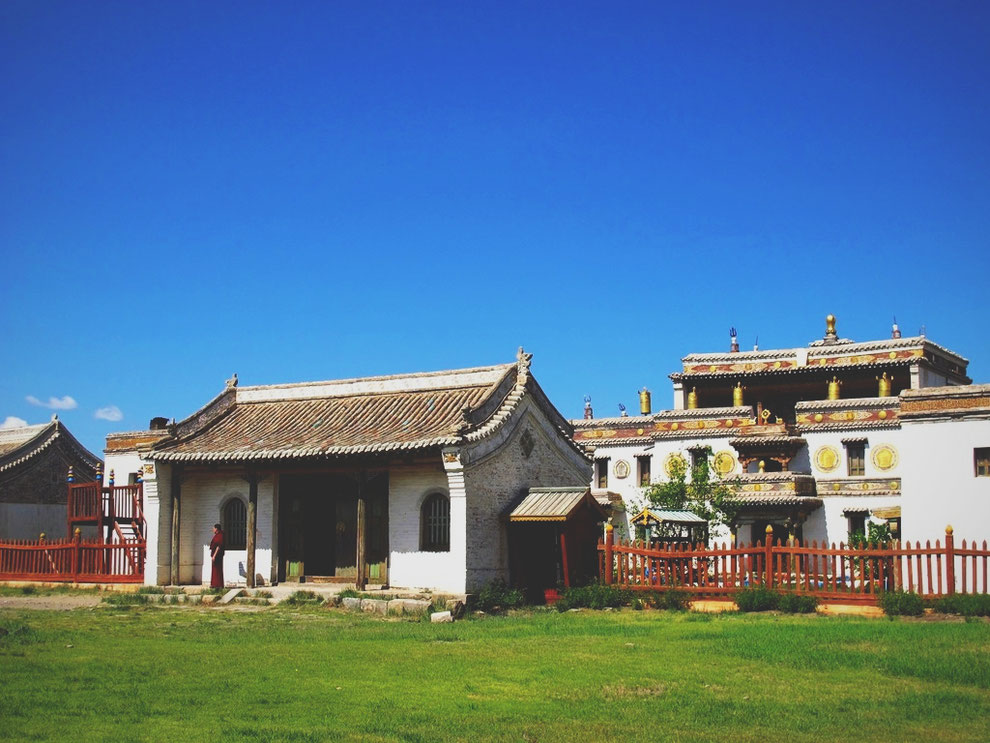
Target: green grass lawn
163,674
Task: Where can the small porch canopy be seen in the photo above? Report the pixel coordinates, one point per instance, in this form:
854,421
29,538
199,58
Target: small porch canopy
671,525
554,537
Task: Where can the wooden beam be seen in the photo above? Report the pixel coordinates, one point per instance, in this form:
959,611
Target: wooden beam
361,581
176,492
252,525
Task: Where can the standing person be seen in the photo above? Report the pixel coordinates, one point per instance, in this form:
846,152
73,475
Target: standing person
216,556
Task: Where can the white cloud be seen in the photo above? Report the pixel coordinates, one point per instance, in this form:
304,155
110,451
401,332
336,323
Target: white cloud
13,422
54,403
109,413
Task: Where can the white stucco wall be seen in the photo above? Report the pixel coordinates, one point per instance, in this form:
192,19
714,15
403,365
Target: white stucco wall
408,566
122,464
203,497
628,487
940,485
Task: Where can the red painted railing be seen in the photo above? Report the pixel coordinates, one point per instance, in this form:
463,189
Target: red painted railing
92,503
840,573
73,560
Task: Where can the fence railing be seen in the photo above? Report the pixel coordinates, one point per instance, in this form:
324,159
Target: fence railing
73,560
840,573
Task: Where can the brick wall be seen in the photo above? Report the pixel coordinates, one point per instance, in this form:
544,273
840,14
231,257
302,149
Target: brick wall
502,479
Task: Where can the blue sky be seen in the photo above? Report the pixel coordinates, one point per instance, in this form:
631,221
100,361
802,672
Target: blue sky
300,191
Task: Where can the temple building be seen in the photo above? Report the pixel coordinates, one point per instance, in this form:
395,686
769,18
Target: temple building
407,481
818,441
34,461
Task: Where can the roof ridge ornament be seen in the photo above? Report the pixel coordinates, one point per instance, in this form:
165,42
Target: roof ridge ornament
232,382
830,334
523,361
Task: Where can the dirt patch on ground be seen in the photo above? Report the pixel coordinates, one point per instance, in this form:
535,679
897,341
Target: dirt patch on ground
55,602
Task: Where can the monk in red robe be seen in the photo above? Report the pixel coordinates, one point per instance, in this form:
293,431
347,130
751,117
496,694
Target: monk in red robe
216,557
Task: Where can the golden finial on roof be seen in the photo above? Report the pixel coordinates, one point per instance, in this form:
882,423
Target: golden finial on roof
830,325
833,388
884,381
645,405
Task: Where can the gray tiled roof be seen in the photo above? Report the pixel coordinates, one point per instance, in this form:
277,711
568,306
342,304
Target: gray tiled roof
354,416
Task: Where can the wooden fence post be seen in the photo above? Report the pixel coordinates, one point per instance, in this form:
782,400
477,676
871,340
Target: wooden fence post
950,561
609,540
768,559
76,547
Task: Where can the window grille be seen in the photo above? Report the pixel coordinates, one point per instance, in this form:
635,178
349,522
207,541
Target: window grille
435,519
234,524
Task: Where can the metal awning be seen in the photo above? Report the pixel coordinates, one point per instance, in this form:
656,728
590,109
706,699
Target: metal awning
556,504
648,517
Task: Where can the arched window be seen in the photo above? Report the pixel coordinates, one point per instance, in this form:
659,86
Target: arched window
435,524
233,520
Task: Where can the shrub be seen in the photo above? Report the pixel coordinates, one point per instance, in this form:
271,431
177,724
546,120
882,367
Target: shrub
349,593
964,604
302,597
497,596
674,599
757,598
593,596
902,603
126,599
151,590
797,603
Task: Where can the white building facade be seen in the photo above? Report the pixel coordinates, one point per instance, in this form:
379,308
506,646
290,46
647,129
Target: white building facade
819,442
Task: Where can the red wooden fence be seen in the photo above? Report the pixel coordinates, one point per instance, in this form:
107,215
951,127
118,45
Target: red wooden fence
73,560
840,573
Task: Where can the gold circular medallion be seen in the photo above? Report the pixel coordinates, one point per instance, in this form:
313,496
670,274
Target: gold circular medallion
895,484
639,431
622,469
674,426
819,417
893,354
882,414
712,367
884,457
724,462
776,364
826,458
672,461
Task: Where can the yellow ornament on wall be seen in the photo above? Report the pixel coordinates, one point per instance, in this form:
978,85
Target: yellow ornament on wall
724,463
672,460
826,458
884,457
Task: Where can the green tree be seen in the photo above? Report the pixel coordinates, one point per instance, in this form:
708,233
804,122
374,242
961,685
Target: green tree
706,494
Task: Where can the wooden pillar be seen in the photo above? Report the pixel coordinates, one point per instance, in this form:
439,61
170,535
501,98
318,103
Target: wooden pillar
768,558
563,556
176,491
609,541
950,562
252,525
361,580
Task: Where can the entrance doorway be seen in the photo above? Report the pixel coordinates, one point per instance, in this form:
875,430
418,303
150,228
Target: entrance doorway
318,527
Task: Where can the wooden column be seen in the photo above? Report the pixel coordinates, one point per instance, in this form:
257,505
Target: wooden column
361,581
252,525
563,556
176,491
609,541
